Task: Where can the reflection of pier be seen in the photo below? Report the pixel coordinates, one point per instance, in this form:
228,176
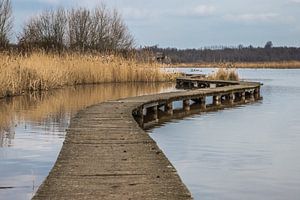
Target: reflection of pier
214,95
106,155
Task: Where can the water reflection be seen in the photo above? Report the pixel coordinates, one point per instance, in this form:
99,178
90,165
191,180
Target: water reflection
32,129
248,152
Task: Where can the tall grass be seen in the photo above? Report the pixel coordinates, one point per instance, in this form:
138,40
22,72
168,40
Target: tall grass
40,71
227,74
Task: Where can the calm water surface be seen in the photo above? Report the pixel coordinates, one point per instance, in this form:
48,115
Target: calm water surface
32,130
248,152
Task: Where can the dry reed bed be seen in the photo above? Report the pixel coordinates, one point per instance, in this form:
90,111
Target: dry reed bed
226,74
40,71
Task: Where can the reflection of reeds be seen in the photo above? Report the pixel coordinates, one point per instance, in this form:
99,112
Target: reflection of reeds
59,105
40,71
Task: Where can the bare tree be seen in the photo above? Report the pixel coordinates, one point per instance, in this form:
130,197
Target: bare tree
47,30
6,22
269,45
100,28
80,25
119,36
78,29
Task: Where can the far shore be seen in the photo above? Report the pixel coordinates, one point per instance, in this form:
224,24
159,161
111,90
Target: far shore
250,65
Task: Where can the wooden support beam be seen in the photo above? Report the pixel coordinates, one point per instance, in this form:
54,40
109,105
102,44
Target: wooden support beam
217,100
169,107
243,96
231,98
153,112
140,116
186,105
257,93
252,96
203,103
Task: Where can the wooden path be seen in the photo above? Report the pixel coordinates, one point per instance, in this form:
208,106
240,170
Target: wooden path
107,155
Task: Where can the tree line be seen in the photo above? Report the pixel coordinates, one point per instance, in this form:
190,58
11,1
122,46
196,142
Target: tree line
268,53
80,29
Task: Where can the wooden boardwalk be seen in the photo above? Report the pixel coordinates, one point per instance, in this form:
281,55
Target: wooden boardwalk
107,155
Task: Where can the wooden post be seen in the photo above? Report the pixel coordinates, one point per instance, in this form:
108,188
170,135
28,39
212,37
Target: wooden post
154,112
203,103
231,98
252,96
169,107
243,96
217,100
257,93
186,105
140,115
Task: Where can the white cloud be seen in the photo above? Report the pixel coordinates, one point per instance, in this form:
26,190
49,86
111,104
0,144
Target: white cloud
252,17
139,14
294,1
203,10
49,2
133,13
197,11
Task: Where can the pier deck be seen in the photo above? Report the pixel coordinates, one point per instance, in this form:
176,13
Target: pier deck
108,155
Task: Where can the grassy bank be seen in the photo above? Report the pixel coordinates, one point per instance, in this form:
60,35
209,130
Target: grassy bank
40,71
255,65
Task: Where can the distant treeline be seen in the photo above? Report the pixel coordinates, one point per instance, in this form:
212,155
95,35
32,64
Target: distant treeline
80,29
226,54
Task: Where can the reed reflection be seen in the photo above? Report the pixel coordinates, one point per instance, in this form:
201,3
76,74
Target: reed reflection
57,107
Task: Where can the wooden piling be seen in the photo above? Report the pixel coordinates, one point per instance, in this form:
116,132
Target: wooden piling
169,107
186,105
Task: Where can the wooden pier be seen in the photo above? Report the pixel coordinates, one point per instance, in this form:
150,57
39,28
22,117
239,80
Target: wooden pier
108,155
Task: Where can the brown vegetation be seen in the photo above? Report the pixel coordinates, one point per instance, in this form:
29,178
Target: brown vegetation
40,71
224,74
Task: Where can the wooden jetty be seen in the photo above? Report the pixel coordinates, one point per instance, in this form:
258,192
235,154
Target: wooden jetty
108,155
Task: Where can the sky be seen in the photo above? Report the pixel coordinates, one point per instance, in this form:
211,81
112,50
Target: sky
192,23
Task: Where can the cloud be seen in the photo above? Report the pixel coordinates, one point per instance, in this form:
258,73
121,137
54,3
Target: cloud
294,2
203,10
133,13
196,11
252,17
139,14
54,2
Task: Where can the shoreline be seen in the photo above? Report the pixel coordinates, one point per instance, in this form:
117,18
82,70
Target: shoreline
238,65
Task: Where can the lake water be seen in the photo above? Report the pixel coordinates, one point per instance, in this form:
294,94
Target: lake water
249,152
246,152
32,130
